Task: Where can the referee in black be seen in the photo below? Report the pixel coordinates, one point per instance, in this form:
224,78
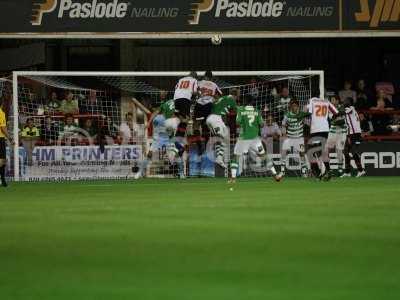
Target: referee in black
3,137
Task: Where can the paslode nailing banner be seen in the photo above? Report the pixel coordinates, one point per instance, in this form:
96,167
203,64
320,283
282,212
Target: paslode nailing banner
60,17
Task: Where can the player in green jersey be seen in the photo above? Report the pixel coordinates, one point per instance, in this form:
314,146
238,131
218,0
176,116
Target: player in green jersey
167,108
338,133
293,125
216,124
249,142
176,145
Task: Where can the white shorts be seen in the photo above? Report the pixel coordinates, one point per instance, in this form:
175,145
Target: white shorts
217,125
336,140
244,146
159,144
297,144
171,125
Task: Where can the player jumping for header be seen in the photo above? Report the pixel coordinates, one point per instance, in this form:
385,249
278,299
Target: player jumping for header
249,142
185,90
209,91
216,124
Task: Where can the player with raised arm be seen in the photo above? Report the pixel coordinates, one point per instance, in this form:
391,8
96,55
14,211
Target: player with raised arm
3,137
337,133
320,109
185,90
216,124
354,140
249,142
293,125
161,139
208,91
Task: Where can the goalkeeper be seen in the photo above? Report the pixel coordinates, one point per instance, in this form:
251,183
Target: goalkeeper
161,139
249,142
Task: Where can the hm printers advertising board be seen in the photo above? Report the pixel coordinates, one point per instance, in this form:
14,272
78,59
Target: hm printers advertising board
60,163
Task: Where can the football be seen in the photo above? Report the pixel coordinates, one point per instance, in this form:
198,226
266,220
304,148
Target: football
216,39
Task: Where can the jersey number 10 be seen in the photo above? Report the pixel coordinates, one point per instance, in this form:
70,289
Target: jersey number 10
184,84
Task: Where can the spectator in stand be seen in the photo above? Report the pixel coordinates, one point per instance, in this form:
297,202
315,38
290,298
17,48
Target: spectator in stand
147,101
23,112
381,121
89,128
54,105
395,126
70,105
381,95
69,128
363,100
126,129
270,131
387,88
271,128
366,125
284,98
254,92
48,131
29,136
89,105
281,103
163,96
347,92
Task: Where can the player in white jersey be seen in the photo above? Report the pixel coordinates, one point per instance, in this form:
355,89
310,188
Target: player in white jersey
208,92
185,90
354,140
319,110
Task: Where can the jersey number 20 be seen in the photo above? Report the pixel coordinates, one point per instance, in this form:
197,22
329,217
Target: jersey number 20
321,110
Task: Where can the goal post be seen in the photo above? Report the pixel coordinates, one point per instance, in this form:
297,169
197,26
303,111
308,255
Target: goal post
110,88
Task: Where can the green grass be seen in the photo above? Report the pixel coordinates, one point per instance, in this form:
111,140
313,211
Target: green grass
197,240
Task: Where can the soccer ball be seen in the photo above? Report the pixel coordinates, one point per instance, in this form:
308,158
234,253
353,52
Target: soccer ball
216,39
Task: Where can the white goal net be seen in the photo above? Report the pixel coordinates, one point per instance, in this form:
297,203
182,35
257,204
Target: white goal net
102,125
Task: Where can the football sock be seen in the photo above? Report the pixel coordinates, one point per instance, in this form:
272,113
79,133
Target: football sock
358,162
144,166
234,168
283,163
219,149
315,169
271,167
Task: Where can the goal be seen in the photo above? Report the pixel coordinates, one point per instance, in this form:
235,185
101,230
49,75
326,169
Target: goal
98,125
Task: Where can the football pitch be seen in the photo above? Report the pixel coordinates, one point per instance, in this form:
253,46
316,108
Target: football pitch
195,239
